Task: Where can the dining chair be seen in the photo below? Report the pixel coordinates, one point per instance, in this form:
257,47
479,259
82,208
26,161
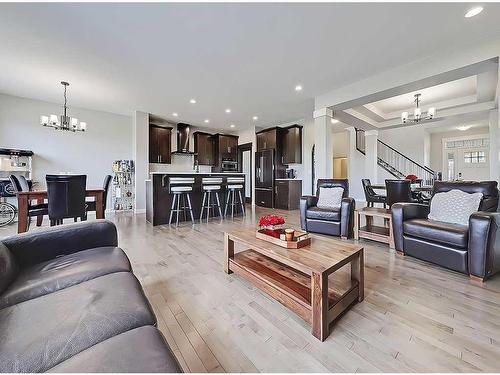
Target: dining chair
91,205
370,195
20,184
66,194
398,191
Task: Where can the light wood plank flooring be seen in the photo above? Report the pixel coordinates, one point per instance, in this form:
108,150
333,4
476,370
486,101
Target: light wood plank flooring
416,317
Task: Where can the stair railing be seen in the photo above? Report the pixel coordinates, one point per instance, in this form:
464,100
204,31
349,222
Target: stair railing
395,162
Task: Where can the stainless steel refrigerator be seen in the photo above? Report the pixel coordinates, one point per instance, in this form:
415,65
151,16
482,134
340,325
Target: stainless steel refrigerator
264,178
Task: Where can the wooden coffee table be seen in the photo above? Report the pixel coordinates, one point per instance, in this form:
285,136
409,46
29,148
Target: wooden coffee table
298,278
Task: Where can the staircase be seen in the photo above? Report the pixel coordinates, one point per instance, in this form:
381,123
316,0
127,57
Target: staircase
394,162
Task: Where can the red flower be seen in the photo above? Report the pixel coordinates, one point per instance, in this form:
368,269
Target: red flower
411,177
268,220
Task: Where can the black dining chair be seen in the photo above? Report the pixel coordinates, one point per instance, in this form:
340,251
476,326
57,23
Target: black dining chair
66,195
398,191
91,205
370,195
19,183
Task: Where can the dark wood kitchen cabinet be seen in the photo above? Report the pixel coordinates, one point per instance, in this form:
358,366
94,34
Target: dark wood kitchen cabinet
160,144
268,138
225,148
292,145
287,194
204,147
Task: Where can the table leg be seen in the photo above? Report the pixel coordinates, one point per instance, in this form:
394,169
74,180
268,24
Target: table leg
369,221
229,252
99,207
39,218
358,274
356,225
22,214
391,235
319,300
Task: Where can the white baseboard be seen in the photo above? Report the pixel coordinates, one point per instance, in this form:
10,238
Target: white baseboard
140,211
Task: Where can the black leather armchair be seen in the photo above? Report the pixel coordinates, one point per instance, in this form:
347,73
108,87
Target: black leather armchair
472,249
335,222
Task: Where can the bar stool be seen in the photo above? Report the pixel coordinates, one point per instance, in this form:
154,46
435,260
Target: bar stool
210,185
234,184
180,187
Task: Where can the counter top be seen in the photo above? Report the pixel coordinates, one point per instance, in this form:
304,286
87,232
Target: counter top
288,179
198,173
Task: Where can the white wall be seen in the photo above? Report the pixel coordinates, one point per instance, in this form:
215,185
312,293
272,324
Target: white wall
437,144
141,157
108,138
248,136
410,141
340,144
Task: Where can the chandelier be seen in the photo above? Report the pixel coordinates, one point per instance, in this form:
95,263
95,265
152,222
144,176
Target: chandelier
417,113
63,122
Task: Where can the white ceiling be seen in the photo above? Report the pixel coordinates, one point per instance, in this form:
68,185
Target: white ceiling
247,57
459,88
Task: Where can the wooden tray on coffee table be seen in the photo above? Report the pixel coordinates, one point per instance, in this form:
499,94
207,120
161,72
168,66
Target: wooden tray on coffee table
300,238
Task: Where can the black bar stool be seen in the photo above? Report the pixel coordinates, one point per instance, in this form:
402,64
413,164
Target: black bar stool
234,185
211,187
180,187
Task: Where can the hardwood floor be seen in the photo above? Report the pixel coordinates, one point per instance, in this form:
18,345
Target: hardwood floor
415,317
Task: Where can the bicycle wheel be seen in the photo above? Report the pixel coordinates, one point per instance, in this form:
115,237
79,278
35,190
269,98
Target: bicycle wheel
7,213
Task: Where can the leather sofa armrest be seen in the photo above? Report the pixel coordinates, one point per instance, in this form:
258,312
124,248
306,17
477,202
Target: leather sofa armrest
484,244
35,247
405,211
347,208
306,201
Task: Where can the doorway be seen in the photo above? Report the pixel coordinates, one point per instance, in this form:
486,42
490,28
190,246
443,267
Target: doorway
466,158
245,166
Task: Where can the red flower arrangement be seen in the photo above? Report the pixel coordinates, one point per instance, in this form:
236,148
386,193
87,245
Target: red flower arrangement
271,220
411,177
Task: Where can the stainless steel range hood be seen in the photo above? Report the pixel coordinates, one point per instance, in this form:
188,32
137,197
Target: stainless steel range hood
183,135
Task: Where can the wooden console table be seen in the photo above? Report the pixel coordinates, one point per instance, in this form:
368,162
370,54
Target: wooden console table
374,232
298,278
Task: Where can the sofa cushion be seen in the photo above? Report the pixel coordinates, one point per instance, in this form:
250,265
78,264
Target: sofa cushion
64,271
454,206
329,214
330,197
451,234
140,350
42,332
8,267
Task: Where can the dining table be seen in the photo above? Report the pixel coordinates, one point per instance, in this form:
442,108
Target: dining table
24,197
426,189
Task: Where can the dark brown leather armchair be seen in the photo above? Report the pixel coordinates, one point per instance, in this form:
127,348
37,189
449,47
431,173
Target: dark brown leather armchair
335,222
472,249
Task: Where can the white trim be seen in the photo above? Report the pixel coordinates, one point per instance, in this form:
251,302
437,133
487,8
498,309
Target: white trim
328,112
140,211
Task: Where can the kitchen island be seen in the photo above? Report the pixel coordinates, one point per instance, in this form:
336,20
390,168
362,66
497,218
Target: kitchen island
159,200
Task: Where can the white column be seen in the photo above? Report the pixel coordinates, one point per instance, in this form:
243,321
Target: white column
323,143
371,166
355,167
140,155
494,128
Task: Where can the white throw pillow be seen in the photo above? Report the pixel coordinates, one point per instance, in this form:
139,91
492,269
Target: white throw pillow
330,197
454,206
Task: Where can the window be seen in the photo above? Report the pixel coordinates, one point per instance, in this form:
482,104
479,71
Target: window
466,143
474,157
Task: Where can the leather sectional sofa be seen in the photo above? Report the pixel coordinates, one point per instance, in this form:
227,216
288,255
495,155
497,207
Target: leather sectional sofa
331,221
472,249
69,302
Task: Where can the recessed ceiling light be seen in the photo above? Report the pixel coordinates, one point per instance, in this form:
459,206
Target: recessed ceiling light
255,118
228,110
298,88
232,125
464,127
206,121
334,121
175,114
473,12
192,101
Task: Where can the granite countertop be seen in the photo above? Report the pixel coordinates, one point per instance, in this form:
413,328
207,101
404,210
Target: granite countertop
200,173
